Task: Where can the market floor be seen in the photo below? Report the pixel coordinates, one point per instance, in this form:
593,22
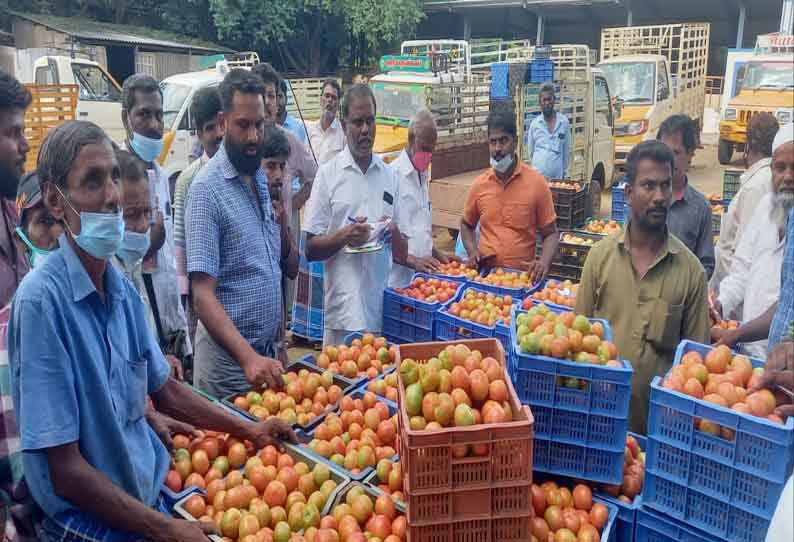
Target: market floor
705,175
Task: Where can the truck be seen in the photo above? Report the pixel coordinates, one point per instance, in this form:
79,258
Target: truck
654,72
179,90
766,83
99,99
583,95
51,105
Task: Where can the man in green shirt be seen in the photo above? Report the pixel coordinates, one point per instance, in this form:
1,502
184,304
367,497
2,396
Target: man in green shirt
644,281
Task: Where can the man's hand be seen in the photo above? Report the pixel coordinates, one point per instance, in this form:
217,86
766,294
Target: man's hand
272,431
176,367
427,264
278,211
779,374
537,271
356,234
727,337
166,427
715,311
180,530
262,370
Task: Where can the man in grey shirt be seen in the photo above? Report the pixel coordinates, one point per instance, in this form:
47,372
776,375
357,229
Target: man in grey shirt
690,213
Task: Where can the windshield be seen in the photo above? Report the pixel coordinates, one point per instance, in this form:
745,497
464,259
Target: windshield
632,82
174,97
398,101
769,75
94,83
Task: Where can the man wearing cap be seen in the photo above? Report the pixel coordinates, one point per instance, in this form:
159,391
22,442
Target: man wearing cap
38,232
753,284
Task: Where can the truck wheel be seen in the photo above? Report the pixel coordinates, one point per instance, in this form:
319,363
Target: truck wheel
724,152
593,205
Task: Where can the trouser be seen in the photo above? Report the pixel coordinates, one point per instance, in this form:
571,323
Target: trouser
215,371
335,337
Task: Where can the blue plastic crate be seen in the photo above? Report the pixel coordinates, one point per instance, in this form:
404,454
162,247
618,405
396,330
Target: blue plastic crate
579,462
541,70
452,328
499,80
403,308
652,526
516,293
397,332
625,525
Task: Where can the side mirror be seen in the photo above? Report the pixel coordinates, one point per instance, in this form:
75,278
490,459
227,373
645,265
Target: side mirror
617,106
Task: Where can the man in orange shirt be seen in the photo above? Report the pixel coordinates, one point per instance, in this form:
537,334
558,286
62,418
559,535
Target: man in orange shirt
511,202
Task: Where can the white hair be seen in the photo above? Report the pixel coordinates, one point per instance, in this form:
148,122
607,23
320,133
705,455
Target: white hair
421,117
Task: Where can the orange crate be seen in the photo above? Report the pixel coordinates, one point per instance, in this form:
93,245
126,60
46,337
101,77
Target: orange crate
502,500
508,529
428,462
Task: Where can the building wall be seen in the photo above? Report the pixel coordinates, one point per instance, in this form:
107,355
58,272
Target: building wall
161,65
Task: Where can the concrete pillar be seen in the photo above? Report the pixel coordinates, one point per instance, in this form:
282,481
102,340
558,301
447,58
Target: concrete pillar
740,26
787,18
467,27
541,20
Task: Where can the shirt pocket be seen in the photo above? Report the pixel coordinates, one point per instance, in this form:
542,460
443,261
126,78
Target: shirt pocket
516,216
664,325
136,389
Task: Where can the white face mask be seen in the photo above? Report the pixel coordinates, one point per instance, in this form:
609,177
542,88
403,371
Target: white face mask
503,164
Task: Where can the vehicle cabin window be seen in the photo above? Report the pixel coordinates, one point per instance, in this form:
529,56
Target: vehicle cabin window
94,83
603,107
662,88
741,70
45,76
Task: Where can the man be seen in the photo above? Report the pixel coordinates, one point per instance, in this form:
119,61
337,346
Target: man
142,115
644,281
510,202
234,247
206,110
38,232
755,182
690,213
326,136
284,119
752,285
275,154
14,99
93,463
413,214
549,138
354,189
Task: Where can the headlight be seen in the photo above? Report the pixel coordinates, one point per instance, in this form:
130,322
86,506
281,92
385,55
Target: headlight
730,114
633,128
784,116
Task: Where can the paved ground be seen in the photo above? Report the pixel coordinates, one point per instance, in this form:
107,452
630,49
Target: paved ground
705,174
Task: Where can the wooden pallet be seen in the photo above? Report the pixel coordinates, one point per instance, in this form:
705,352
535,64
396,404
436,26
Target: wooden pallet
51,106
307,92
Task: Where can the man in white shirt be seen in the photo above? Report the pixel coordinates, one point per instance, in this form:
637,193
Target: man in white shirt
754,184
351,191
753,284
326,136
414,214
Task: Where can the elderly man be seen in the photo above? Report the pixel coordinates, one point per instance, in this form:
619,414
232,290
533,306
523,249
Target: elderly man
326,135
511,202
234,248
753,284
414,214
650,288
754,184
690,213
549,138
142,116
353,191
93,463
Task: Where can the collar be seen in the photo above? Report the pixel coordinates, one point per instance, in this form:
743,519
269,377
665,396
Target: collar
752,170
334,126
669,246
682,195
81,283
204,158
347,161
403,164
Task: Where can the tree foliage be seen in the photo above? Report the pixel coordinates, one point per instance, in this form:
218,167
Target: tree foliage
310,34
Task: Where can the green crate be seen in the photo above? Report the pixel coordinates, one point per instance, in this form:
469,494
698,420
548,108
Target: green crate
730,183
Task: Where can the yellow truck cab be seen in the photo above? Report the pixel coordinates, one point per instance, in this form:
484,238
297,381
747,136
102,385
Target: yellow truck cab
653,72
766,85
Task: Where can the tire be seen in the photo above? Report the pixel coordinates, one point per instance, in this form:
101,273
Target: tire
593,205
724,152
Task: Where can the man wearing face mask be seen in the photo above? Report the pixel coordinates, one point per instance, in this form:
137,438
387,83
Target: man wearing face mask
413,212
511,202
83,360
142,115
38,232
549,138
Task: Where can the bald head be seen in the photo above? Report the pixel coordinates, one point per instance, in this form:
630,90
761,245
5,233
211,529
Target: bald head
422,133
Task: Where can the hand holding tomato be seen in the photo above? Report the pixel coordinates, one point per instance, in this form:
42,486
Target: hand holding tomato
272,431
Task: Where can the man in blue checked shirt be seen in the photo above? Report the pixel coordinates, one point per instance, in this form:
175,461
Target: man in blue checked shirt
549,138
235,248
83,360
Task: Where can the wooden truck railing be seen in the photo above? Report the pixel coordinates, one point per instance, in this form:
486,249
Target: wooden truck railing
51,106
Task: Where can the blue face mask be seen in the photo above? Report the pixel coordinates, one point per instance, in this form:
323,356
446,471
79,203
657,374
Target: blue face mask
146,148
134,246
37,255
101,234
